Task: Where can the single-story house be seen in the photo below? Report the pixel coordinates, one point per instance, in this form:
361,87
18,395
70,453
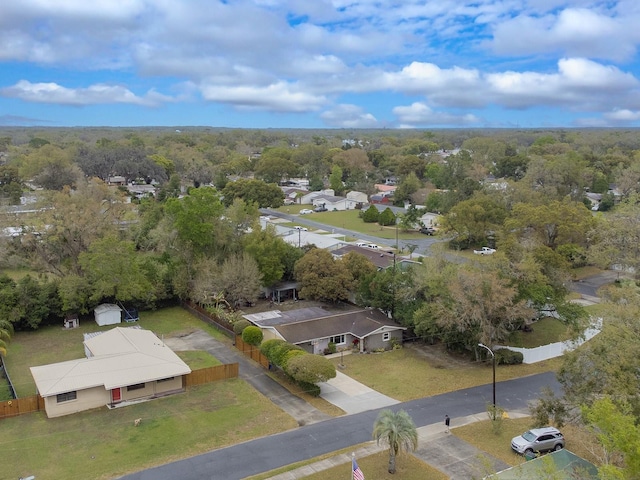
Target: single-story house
331,202
108,314
293,194
307,199
314,328
430,219
122,364
380,199
562,464
358,197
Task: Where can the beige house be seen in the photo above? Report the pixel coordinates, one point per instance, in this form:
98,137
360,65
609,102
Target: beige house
122,364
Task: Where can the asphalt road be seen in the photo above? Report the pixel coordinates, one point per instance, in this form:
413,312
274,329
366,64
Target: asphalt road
423,244
267,453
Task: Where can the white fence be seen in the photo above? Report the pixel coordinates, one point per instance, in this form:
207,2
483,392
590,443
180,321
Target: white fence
545,352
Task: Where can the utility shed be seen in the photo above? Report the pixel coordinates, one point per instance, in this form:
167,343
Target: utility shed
108,314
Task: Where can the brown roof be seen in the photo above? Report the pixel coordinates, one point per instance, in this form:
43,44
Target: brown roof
361,324
378,257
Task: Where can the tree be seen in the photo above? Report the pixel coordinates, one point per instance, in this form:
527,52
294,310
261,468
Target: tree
409,185
619,435
321,277
473,220
553,223
263,194
239,278
358,266
275,257
387,217
371,214
113,270
275,165
398,431
335,180
310,368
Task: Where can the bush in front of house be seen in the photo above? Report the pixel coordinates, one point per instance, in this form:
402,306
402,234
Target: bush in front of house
504,356
370,215
240,325
252,335
289,355
280,353
310,388
310,369
269,347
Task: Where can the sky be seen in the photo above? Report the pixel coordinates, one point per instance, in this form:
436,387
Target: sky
320,63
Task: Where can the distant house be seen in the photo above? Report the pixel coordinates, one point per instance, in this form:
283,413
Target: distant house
430,219
379,199
384,188
358,197
117,180
314,328
331,202
108,314
307,199
293,194
122,364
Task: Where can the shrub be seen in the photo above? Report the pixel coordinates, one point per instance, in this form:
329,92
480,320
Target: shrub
370,215
240,325
310,388
387,217
504,356
269,348
252,335
331,348
291,354
280,353
310,369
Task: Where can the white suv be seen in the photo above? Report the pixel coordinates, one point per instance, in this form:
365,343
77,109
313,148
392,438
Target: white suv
538,440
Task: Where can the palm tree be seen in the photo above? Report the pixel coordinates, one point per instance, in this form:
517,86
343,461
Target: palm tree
398,431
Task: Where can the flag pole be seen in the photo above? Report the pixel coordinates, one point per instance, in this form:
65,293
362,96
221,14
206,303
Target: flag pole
353,457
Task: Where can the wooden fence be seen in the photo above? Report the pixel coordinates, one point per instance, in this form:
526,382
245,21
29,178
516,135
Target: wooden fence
19,406
252,352
211,374
222,325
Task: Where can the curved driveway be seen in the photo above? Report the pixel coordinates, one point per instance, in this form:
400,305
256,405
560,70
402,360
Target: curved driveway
267,453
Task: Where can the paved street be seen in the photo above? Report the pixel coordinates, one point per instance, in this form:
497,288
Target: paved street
267,453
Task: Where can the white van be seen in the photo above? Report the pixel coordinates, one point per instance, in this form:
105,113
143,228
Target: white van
373,246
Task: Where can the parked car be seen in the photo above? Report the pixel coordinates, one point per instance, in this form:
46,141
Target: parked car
538,440
485,251
428,230
298,227
305,211
320,208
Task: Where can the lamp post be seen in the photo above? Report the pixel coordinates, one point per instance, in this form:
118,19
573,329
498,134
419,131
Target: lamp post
493,356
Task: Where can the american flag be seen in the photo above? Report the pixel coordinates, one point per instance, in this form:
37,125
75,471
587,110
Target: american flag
357,473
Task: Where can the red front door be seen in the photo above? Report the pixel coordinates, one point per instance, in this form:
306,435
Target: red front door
115,395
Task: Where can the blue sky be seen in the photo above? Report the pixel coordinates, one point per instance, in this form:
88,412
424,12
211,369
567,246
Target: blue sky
320,63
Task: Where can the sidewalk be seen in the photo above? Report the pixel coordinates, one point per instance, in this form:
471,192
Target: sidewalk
452,456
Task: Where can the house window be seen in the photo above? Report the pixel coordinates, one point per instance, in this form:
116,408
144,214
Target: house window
165,379
137,386
338,340
386,336
66,397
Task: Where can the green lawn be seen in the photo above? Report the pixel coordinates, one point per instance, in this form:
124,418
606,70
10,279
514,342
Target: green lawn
102,443
350,219
197,359
405,374
545,331
481,435
55,344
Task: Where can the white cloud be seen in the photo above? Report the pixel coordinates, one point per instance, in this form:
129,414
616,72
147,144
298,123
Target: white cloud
95,94
419,114
623,115
280,97
349,116
577,32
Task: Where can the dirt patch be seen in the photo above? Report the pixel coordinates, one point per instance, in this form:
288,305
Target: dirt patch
438,356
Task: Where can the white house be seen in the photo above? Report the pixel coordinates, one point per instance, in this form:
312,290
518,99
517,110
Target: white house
331,202
308,198
122,365
358,197
108,314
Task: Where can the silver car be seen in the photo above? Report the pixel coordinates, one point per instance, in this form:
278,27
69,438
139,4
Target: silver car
538,440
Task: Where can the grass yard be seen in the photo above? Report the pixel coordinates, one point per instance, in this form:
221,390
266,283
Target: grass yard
406,374
350,219
481,435
197,359
545,331
55,344
102,443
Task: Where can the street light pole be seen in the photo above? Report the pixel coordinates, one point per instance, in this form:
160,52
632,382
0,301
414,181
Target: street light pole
493,356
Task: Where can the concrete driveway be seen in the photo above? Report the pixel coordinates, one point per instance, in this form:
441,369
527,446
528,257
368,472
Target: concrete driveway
352,396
